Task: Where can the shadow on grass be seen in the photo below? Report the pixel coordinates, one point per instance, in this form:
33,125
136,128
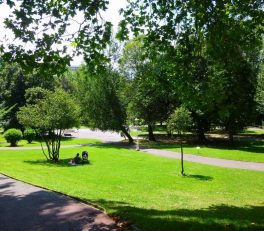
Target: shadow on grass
116,145
200,177
60,163
217,217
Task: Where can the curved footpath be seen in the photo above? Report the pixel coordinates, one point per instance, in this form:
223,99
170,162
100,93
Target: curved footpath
207,160
26,207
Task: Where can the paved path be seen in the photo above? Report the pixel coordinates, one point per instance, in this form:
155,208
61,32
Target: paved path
97,134
207,160
24,207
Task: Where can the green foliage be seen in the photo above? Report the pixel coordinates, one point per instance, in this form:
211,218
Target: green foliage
29,135
12,91
34,94
214,48
99,99
49,56
180,120
57,110
14,85
260,93
12,136
149,93
50,115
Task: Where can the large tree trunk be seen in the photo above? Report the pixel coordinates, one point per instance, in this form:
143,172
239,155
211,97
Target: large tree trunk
200,131
231,136
202,126
130,139
201,135
150,133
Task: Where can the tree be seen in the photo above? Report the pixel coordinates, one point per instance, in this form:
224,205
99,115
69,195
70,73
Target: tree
14,83
220,39
180,120
46,27
12,93
49,117
12,136
260,94
99,100
150,97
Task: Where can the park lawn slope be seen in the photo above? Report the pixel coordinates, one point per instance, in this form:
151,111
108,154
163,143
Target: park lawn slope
64,141
252,151
149,190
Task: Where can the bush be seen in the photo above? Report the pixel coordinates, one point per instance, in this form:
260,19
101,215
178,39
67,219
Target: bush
29,135
12,136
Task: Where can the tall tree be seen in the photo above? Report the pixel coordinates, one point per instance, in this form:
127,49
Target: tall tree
99,100
150,97
220,39
13,85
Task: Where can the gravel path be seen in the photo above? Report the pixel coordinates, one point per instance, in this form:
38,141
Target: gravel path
24,207
207,160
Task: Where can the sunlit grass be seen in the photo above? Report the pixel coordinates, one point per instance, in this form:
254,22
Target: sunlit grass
65,141
148,190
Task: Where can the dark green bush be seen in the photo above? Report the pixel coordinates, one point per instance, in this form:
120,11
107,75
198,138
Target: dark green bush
12,136
29,135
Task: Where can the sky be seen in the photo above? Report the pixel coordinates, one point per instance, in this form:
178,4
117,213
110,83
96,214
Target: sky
111,15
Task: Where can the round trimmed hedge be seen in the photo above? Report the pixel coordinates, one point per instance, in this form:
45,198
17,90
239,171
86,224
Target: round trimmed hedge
12,136
29,135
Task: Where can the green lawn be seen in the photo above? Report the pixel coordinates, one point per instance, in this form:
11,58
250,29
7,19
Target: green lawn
148,190
65,141
252,151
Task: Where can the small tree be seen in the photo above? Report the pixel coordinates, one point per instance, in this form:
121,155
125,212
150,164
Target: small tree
29,135
49,117
12,136
179,121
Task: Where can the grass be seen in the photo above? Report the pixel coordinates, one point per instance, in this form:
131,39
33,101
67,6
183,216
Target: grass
65,141
252,151
148,190
248,147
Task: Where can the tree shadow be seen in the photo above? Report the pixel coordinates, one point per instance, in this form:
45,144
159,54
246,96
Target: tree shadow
116,145
60,163
200,177
216,217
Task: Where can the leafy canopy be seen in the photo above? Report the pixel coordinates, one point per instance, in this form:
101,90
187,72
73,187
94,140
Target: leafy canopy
51,29
180,120
57,111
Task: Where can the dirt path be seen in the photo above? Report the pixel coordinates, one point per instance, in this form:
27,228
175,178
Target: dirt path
26,207
207,160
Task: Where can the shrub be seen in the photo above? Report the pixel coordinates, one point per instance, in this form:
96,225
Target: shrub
29,135
12,136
